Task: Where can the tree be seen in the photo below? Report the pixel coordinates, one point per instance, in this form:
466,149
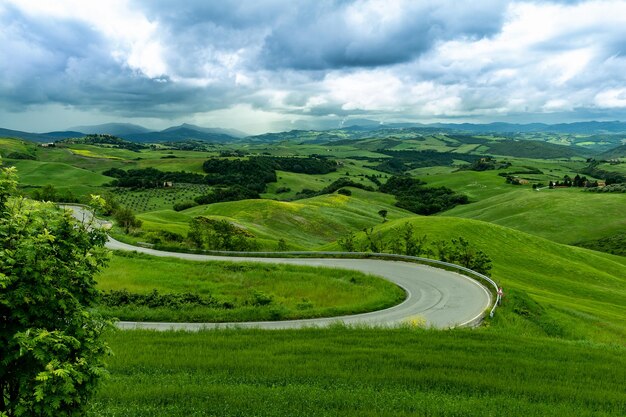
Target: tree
211,234
462,253
383,213
126,218
375,241
348,243
51,352
282,245
413,245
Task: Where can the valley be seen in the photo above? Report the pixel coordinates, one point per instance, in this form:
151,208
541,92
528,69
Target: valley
325,191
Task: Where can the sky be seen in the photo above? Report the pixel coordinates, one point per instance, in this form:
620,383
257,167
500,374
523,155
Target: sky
269,65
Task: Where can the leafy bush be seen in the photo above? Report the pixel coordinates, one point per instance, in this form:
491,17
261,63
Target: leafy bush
184,205
154,299
151,177
211,234
412,195
21,155
232,193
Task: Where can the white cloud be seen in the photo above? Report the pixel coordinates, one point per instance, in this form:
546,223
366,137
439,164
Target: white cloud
387,59
611,98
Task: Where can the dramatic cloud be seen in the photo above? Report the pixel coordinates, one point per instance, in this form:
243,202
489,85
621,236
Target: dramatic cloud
258,64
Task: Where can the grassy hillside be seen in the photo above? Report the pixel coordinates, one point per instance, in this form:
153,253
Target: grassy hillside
534,149
583,292
9,145
304,223
61,176
562,215
359,372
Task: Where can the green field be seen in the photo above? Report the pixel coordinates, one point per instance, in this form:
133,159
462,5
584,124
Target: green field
305,223
359,372
8,145
62,176
562,215
555,347
252,292
583,292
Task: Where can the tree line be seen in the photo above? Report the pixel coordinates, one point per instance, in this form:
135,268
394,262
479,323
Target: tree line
406,241
413,195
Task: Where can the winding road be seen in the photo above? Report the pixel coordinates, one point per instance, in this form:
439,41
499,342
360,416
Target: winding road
435,297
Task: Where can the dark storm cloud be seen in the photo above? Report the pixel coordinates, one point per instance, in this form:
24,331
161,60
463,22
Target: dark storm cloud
315,35
326,35
67,62
386,59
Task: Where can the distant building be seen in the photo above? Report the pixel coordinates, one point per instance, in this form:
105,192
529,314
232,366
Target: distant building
47,145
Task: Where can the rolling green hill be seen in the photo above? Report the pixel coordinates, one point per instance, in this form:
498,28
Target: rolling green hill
61,176
534,149
562,215
8,146
305,223
583,292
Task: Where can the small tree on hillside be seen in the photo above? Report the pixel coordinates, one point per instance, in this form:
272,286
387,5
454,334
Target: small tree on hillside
383,213
51,353
347,243
126,219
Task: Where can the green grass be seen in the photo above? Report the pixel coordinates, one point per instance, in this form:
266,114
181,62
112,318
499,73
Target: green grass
304,223
359,372
562,215
297,182
295,291
60,175
556,347
9,145
583,291
158,198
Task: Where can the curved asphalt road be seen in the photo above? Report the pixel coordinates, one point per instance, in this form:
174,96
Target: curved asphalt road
439,298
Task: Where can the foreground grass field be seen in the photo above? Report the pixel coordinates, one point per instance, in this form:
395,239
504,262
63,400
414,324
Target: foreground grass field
251,291
359,372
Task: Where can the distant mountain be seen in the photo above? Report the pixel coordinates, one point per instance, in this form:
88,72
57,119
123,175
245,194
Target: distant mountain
39,137
230,132
114,129
572,128
178,134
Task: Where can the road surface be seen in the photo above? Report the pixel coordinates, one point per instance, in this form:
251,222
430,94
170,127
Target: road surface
435,297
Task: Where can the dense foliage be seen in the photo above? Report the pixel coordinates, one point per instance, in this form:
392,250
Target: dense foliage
110,140
50,193
485,164
609,177
51,354
211,234
577,181
413,195
402,161
256,172
155,299
218,195
309,165
151,177
406,241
